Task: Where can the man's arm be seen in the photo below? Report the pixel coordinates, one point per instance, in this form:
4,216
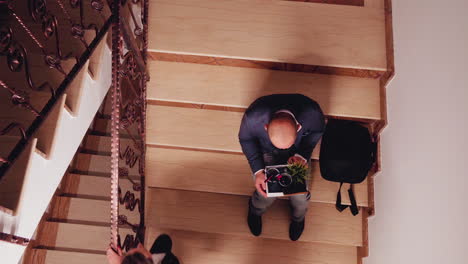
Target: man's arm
308,144
250,146
316,127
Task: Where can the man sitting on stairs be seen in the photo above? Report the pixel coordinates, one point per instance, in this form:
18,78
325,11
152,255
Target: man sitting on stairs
277,129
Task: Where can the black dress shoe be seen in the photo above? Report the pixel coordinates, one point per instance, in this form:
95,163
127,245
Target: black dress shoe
295,230
255,223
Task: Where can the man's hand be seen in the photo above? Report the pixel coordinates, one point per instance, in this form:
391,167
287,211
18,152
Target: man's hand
260,184
114,257
298,159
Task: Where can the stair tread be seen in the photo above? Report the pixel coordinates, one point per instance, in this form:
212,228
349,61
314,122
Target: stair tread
102,144
341,96
102,126
201,248
195,247
92,186
304,33
226,173
91,164
88,210
85,237
226,214
212,129
44,256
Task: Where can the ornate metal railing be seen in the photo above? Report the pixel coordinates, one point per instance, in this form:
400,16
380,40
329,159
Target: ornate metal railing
129,78
43,46
40,35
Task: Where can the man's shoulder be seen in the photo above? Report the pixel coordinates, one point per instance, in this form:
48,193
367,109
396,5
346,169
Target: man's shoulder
268,102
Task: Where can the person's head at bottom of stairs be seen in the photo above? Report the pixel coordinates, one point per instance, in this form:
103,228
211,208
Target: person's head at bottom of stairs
136,258
160,253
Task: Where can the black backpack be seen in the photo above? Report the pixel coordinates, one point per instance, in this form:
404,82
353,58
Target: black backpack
347,154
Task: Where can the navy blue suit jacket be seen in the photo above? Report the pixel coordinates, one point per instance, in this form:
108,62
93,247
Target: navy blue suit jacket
254,138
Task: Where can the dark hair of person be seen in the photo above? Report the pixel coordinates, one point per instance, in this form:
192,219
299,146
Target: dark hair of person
136,258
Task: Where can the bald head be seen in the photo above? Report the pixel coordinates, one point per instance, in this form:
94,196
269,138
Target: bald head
282,130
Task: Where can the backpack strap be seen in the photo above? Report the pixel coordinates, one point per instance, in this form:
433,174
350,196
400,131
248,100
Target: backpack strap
353,207
340,207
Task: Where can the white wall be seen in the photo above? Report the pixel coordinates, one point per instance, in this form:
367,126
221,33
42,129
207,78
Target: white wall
422,192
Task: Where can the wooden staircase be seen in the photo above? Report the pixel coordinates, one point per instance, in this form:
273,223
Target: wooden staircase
77,226
32,178
209,60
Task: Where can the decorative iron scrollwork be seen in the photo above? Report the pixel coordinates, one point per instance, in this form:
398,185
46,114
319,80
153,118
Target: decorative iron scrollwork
129,110
130,201
98,5
37,9
19,37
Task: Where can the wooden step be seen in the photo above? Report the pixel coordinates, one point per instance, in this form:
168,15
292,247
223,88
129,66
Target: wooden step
90,164
79,210
205,248
76,236
102,126
44,256
195,128
195,248
282,31
92,186
102,144
340,96
227,214
226,173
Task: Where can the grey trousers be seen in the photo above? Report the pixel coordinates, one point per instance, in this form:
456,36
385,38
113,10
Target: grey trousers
299,203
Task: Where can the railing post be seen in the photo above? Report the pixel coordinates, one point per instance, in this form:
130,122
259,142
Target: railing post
115,119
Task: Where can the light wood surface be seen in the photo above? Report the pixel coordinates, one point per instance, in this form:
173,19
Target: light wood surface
42,256
205,248
102,144
102,126
94,186
226,173
195,128
46,133
268,65
80,236
379,4
342,96
97,165
95,61
285,31
75,89
226,214
88,210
